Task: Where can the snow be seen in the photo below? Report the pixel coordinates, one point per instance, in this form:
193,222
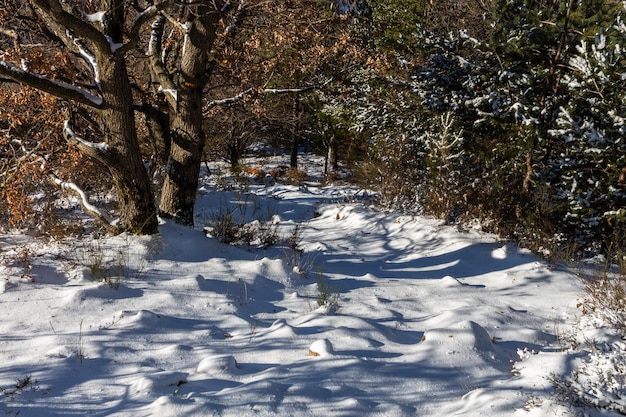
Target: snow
97,17
69,132
429,320
86,55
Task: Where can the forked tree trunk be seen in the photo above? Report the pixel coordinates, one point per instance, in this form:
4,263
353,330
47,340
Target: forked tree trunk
137,211
178,195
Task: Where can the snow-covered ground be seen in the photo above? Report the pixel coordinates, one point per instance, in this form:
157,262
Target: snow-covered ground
417,318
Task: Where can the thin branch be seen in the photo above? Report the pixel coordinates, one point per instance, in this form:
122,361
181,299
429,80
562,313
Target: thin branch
86,55
72,20
83,199
10,33
69,135
142,18
229,100
96,150
251,90
12,171
289,90
235,19
159,72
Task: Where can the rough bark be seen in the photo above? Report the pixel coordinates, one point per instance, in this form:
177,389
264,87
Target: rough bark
137,211
178,194
187,136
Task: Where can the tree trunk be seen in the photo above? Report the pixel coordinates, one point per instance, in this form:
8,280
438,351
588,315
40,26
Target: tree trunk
137,211
331,165
298,111
178,195
120,151
293,163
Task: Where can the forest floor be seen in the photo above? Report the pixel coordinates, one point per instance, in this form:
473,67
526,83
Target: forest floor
351,311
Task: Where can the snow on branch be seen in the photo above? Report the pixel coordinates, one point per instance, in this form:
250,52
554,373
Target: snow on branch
67,16
10,171
87,207
288,90
54,87
229,100
251,90
236,17
69,134
86,55
97,150
142,18
157,62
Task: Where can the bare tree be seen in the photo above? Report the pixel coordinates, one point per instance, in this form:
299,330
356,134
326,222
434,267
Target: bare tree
175,40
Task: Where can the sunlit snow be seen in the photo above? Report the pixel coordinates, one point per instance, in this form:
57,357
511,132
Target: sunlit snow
428,319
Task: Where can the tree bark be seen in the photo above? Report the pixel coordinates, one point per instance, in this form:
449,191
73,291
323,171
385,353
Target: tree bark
178,195
137,212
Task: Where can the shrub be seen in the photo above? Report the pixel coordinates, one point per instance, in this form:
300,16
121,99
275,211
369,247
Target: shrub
327,296
599,380
228,225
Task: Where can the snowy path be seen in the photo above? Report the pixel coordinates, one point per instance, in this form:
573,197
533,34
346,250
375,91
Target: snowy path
429,321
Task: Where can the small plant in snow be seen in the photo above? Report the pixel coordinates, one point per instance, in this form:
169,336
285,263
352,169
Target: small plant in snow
230,224
108,264
327,296
28,383
80,346
600,381
20,258
300,262
21,385
223,227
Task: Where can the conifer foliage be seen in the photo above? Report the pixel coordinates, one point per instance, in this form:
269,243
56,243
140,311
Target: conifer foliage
510,112
533,139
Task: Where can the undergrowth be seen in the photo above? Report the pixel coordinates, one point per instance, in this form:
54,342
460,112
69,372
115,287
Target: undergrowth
327,295
110,263
599,379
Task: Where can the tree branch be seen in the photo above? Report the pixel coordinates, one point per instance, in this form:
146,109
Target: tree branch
96,150
89,209
235,19
74,20
251,90
159,72
54,87
229,100
142,18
